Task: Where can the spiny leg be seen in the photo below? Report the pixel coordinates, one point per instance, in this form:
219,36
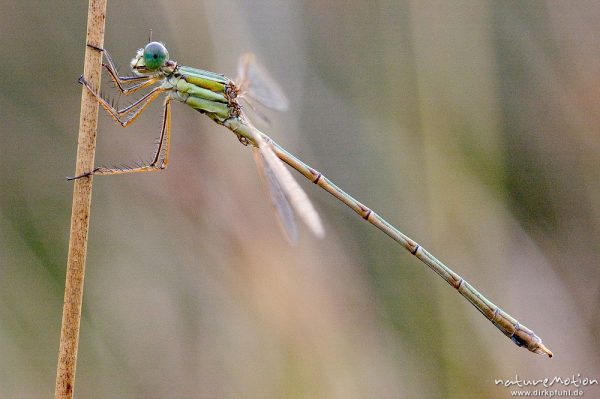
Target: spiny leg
156,164
165,136
135,109
146,81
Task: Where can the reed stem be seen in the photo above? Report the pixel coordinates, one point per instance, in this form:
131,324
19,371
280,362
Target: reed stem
80,214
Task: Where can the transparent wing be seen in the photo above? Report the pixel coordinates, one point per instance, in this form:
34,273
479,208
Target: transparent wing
284,181
283,210
256,84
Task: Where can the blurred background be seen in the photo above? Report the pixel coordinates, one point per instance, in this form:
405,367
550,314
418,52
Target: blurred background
471,126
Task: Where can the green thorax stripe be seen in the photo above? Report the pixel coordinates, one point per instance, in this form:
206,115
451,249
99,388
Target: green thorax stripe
205,79
216,110
193,90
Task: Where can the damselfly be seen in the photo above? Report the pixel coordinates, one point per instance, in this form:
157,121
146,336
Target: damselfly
219,98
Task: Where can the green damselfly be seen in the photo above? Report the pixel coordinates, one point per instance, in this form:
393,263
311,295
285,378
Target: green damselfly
219,98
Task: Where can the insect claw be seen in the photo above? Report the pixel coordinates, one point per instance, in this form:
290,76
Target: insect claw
86,174
95,47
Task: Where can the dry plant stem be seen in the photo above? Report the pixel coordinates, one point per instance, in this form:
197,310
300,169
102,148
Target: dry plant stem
80,215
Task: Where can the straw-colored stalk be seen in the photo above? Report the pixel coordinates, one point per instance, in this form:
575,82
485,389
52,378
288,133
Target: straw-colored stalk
80,215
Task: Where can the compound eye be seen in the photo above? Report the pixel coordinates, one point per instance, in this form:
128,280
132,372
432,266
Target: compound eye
155,55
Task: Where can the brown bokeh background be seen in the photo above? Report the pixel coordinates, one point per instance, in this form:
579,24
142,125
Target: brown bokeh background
472,126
